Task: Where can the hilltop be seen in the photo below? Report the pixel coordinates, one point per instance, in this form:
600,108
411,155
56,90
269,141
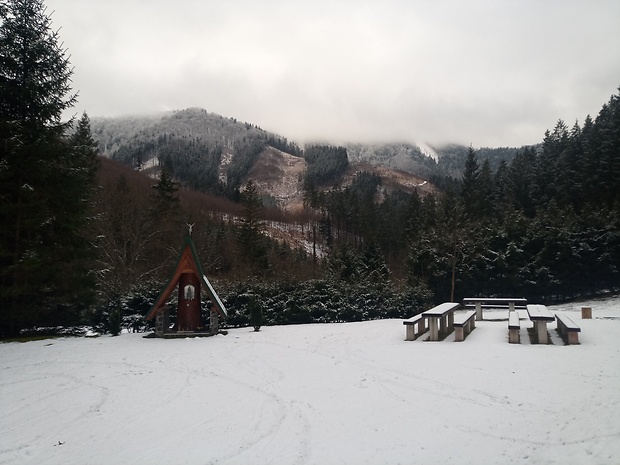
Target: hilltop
213,153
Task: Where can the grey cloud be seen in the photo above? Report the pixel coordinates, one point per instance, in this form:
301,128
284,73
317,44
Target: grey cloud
480,72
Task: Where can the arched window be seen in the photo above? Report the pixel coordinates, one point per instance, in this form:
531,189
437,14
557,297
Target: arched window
189,292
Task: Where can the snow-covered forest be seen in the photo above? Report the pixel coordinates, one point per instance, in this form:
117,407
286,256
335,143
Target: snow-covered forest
87,241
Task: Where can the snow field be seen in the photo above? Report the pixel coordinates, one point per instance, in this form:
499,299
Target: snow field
353,393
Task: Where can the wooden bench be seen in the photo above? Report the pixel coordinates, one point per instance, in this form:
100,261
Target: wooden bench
410,327
493,302
514,327
567,329
464,323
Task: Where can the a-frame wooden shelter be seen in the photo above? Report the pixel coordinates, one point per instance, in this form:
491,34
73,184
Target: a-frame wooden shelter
189,278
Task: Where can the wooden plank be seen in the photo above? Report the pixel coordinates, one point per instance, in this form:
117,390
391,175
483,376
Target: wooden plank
513,321
440,310
514,326
495,300
539,312
460,319
413,320
501,307
569,324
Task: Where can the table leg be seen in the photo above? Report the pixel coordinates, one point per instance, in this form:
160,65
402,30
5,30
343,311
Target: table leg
434,329
478,311
541,330
511,307
451,320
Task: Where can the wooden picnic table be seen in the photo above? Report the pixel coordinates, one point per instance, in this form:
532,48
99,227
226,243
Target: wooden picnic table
441,318
493,302
540,316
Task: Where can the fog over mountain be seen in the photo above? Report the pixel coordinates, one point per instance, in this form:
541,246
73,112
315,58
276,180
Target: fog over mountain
482,72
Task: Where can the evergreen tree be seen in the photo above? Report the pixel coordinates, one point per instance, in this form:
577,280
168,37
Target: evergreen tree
500,191
607,151
471,190
487,195
251,239
520,182
44,179
166,192
256,313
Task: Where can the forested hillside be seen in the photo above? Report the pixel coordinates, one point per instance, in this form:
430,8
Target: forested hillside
211,153
217,155
452,158
87,240
191,144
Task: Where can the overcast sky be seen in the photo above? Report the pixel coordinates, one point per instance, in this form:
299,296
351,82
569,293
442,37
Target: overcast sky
487,73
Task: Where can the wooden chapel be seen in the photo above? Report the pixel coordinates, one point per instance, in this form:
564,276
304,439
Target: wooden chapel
190,280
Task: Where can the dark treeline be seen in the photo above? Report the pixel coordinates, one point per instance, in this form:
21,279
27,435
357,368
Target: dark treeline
46,178
545,225
325,164
88,242
452,157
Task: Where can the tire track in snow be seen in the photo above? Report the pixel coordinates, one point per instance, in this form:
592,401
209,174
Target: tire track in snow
264,447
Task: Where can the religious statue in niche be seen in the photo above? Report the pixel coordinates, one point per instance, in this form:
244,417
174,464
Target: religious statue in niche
190,292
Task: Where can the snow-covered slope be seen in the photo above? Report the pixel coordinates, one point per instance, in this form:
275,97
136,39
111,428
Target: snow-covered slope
352,393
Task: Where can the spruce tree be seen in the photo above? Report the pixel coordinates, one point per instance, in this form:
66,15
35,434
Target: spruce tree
166,192
251,239
44,179
470,192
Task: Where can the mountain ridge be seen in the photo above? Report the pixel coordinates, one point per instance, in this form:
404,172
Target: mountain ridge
206,148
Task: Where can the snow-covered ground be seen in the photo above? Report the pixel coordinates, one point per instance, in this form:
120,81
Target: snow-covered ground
353,393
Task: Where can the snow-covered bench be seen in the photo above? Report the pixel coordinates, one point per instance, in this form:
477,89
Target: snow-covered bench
410,327
567,328
464,323
514,326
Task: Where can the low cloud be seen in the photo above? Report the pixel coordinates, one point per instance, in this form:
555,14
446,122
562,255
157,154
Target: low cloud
486,73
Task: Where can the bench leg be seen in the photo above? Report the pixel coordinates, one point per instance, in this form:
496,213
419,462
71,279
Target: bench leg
458,334
422,326
478,311
410,333
573,337
513,336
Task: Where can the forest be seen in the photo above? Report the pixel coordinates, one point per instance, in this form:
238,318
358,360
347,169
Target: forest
87,241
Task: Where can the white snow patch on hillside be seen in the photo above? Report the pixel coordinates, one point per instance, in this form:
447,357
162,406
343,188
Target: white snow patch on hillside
151,163
428,151
353,393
